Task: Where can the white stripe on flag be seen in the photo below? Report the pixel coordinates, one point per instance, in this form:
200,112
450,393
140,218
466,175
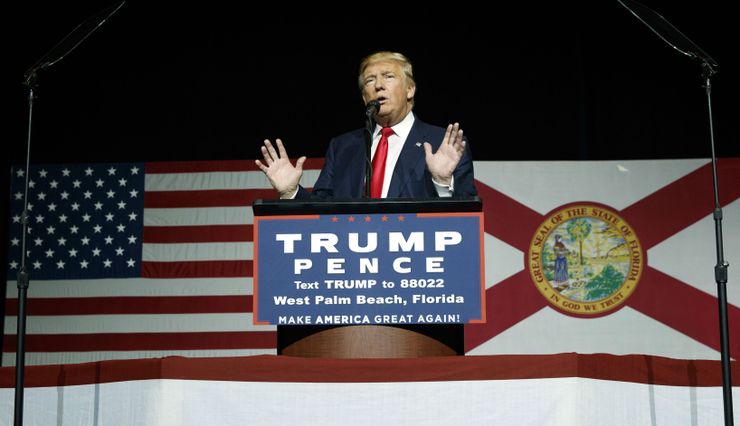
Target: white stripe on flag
190,216
137,323
52,358
216,180
134,287
196,251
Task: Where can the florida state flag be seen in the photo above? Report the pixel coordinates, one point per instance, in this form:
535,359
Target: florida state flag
615,257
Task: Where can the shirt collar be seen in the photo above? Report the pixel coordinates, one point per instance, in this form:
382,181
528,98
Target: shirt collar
402,129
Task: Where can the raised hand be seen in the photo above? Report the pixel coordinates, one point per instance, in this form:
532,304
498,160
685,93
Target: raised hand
442,163
283,176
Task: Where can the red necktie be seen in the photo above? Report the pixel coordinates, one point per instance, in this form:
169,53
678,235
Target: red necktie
381,153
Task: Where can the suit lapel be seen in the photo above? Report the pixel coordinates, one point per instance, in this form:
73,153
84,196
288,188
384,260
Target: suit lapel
357,181
352,167
410,166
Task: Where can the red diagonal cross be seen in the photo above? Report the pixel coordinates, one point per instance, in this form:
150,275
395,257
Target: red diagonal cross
654,218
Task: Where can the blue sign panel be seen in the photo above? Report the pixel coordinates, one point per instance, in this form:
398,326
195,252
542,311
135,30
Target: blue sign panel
369,269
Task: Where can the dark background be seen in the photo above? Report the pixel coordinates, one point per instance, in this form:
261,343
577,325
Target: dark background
205,81
561,81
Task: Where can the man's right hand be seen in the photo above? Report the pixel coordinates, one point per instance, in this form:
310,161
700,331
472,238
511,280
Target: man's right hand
283,176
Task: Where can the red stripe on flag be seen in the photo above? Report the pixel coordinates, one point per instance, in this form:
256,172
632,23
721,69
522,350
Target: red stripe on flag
671,208
144,341
206,198
133,305
198,234
507,303
508,219
681,203
218,166
683,308
728,175
204,269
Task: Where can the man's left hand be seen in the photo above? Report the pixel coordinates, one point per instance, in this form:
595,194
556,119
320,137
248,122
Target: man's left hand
442,163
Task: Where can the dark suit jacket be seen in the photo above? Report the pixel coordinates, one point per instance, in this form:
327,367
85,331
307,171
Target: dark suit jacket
344,168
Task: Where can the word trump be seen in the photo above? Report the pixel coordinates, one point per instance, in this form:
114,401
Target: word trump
394,242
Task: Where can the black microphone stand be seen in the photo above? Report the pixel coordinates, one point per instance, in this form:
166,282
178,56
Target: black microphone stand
681,43
369,127
30,80
720,269
22,276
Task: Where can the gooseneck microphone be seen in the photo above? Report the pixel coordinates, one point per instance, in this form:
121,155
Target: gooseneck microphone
372,108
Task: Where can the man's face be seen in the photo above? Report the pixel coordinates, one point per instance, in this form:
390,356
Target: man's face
386,82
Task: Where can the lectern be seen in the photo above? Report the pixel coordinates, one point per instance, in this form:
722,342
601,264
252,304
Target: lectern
380,278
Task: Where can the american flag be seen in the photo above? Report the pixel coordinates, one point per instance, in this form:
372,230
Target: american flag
137,260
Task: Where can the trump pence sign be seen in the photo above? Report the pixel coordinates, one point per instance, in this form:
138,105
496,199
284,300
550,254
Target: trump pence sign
420,268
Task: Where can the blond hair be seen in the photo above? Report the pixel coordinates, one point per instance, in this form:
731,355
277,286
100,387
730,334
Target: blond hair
382,56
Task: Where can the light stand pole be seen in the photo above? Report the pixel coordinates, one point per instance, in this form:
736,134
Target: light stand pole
720,269
30,80
20,349
668,33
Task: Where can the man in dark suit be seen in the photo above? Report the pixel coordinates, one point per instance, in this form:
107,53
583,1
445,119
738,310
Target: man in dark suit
422,160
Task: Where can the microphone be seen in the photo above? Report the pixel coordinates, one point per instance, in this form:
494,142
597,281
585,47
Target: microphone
372,108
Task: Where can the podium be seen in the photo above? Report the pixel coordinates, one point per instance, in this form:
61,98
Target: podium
363,340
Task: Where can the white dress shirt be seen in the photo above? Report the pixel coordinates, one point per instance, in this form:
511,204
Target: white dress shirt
395,145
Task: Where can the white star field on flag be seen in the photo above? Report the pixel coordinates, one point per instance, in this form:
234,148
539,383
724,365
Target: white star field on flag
84,221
